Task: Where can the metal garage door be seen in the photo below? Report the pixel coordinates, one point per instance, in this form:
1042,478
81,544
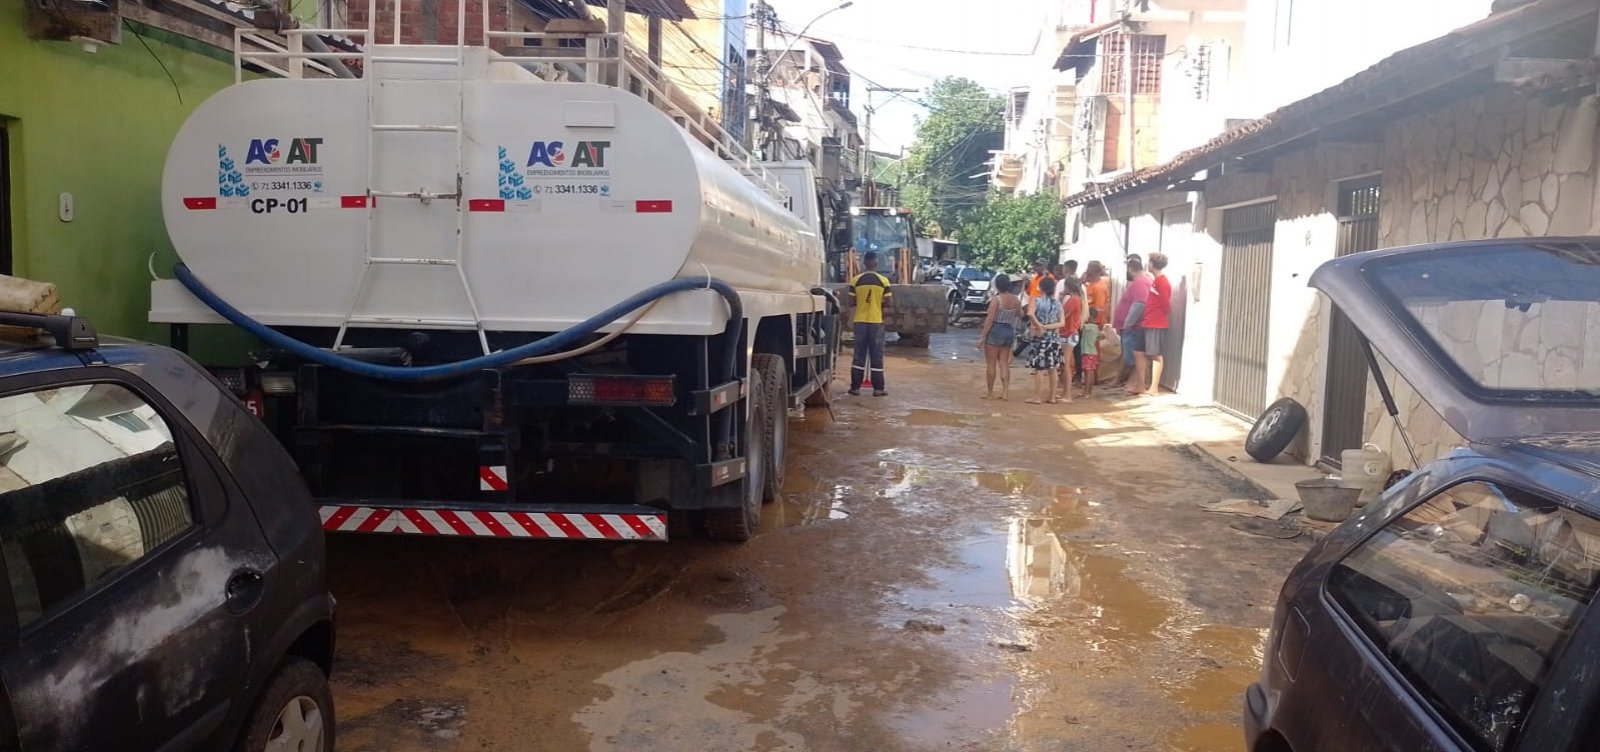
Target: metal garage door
1344,409
1241,384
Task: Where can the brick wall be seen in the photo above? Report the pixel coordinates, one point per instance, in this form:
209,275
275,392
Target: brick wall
432,21
1146,130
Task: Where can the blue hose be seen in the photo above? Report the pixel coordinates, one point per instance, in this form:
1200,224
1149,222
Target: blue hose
557,342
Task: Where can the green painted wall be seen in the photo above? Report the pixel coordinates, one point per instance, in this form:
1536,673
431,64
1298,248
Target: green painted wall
98,125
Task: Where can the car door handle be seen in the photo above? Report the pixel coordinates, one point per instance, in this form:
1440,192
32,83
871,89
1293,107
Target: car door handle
244,590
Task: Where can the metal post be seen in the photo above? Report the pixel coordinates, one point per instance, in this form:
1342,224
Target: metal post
653,45
869,186
617,23
296,48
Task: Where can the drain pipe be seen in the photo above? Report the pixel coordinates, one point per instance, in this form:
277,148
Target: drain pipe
338,67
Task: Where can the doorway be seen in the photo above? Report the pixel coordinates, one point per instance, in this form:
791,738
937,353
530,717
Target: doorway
1345,406
1241,383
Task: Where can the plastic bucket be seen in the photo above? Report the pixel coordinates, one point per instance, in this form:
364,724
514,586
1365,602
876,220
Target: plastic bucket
1325,499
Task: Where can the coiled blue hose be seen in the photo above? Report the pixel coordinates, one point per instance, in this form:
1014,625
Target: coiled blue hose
557,342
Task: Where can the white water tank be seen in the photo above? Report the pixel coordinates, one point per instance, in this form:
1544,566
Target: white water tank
578,195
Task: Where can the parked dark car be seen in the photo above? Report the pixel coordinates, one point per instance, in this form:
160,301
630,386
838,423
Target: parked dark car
165,568
1454,613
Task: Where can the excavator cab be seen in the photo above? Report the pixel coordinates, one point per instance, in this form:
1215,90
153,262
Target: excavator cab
889,232
917,309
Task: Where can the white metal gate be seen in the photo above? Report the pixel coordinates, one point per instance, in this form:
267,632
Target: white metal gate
1241,383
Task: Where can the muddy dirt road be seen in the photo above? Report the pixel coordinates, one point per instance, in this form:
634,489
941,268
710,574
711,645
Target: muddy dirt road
944,573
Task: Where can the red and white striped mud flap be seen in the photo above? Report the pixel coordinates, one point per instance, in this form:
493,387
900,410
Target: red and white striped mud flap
613,523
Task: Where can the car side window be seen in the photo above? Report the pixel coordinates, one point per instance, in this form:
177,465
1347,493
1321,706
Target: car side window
1471,596
90,483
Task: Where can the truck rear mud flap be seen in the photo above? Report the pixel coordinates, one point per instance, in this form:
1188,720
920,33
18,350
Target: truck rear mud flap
611,522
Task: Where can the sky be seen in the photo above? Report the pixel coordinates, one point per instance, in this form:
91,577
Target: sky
892,42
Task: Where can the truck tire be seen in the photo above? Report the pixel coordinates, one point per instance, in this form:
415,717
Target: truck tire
295,711
774,375
917,340
739,520
1275,429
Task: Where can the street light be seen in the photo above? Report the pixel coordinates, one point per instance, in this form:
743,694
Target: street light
765,66
807,27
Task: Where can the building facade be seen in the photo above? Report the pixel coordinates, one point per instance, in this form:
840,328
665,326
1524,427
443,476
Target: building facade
1457,138
809,86
89,104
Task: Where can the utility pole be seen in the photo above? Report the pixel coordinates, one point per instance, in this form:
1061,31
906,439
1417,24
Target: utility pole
758,130
869,193
1127,83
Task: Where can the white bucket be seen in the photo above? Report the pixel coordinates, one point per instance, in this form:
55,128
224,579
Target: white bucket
1367,469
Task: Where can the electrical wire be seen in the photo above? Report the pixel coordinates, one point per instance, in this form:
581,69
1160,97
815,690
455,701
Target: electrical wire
945,50
175,90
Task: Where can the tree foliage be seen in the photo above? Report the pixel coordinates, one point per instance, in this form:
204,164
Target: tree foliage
1007,233
946,171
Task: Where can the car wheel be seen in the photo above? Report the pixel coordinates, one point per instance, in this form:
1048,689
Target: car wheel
741,517
774,375
958,308
294,714
1275,429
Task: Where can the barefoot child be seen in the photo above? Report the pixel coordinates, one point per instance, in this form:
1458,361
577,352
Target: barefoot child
1091,351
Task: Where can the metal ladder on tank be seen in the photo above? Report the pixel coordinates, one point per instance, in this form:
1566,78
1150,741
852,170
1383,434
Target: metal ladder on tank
377,195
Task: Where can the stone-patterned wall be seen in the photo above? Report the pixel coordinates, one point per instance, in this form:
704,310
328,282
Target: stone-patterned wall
1496,165
1307,235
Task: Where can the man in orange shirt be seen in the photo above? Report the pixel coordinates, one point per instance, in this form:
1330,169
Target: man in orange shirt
1041,272
1097,290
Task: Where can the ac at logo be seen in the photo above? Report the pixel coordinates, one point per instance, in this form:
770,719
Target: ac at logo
553,154
265,151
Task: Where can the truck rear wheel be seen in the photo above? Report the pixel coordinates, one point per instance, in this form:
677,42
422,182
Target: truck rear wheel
742,517
917,340
774,375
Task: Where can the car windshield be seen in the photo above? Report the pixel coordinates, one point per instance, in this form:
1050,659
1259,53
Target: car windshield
973,273
1517,322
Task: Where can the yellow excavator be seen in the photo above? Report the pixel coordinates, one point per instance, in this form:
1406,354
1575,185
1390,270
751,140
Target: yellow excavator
915,310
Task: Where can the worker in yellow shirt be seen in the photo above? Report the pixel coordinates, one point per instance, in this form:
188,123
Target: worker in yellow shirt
871,292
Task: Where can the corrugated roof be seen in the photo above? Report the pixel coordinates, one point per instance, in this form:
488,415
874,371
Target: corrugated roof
1405,74
1078,45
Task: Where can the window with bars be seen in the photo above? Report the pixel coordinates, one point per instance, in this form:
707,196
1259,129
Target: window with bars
1149,50
1358,199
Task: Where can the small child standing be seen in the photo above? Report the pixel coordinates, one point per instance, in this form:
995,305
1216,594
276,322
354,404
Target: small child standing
1090,343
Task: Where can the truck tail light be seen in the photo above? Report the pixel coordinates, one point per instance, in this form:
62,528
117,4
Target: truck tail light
640,391
278,383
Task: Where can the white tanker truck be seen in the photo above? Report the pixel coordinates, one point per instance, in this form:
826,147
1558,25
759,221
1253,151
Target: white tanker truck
493,305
